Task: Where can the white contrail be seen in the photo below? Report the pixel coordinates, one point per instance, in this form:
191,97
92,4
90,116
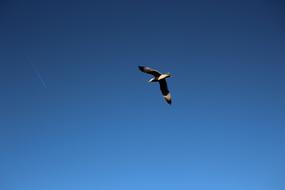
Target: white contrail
38,74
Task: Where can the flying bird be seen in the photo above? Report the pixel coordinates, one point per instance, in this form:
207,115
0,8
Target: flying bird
161,78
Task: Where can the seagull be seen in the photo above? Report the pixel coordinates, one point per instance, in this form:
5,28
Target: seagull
161,78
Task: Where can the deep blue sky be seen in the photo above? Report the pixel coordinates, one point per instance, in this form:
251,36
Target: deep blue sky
99,125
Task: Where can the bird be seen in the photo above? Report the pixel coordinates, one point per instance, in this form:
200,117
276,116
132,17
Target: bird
161,79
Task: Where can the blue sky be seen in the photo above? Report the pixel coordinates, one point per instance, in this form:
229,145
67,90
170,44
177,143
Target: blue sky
77,114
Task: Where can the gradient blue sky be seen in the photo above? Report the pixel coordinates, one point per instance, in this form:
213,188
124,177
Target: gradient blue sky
99,125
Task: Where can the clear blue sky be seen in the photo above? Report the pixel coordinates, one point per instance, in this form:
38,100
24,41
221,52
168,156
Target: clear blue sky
75,112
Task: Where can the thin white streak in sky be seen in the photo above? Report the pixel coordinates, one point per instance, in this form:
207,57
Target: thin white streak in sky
38,74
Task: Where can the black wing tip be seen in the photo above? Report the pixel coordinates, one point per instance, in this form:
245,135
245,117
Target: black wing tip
169,102
141,68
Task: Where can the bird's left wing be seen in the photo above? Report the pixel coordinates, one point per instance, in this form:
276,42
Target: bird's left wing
149,70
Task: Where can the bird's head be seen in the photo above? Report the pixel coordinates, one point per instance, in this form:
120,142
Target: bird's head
168,75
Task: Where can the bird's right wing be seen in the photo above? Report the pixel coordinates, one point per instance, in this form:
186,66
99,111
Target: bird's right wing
149,70
164,90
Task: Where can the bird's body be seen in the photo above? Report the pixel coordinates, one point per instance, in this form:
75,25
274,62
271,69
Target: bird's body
161,78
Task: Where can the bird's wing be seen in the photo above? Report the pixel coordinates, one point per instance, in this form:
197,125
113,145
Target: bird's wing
149,70
164,90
